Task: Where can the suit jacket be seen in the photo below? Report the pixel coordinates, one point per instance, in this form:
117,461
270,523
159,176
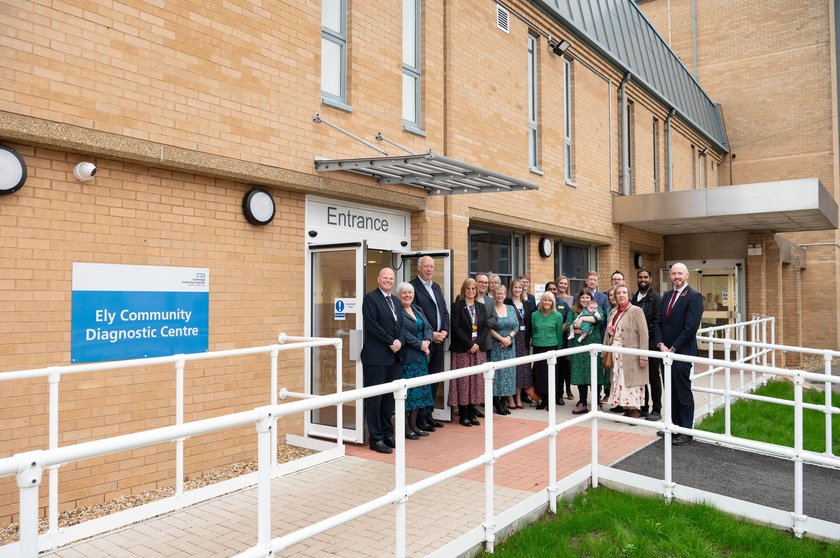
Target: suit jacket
634,335
462,326
411,339
380,329
679,330
427,305
528,309
649,304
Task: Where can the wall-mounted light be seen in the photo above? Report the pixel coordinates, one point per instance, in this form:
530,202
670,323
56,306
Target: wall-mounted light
12,171
560,47
258,207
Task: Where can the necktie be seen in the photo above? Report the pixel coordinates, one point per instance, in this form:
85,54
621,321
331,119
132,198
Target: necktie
391,306
671,303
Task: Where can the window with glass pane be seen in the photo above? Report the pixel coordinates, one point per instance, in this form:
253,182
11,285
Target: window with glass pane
567,118
574,261
411,63
498,251
533,147
334,49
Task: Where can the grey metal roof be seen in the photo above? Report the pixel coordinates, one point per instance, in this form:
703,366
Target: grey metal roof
621,32
436,173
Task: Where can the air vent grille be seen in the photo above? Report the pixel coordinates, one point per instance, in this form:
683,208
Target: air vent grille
502,18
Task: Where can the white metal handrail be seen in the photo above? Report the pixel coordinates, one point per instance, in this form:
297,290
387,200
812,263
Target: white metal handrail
28,467
55,373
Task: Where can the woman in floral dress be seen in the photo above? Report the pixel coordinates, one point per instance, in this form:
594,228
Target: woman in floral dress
506,328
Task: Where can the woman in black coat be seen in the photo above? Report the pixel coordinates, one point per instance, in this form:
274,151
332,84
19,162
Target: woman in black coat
470,325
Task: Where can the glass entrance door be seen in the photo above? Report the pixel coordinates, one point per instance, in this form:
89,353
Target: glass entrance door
336,284
443,277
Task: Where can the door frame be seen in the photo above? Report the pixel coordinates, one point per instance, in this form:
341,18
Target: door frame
310,428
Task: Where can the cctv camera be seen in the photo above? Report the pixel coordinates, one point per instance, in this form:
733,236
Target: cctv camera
84,171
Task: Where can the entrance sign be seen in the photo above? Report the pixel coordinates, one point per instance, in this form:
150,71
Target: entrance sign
138,311
336,221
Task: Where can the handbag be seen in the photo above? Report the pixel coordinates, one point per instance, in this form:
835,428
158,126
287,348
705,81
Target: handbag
608,359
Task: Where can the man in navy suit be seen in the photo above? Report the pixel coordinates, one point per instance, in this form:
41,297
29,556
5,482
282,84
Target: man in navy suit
380,359
429,297
679,319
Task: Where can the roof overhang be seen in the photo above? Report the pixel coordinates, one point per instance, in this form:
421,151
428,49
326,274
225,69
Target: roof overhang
435,173
781,206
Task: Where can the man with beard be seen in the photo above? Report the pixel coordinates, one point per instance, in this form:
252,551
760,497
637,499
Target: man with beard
649,301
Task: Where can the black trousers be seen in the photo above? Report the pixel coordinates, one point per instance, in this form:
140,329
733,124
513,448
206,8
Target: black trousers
380,409
682,408
653,394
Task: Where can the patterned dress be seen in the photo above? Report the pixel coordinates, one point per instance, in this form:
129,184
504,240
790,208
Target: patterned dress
579,363
470,389
620,394
420,396
504,381
523,371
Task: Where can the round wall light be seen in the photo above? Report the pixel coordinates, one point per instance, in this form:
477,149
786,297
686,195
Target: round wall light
12,171
258,207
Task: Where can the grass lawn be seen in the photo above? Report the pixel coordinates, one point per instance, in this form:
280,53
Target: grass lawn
605,523
769,422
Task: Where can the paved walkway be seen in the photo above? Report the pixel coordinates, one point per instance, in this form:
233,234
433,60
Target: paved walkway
227,525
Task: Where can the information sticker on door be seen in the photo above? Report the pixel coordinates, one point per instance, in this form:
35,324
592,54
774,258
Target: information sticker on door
344,306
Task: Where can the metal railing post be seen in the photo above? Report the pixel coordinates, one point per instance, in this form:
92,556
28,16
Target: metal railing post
593,378
798,517
773,341
711,378
667,361
552,437
52,510
29,480
489,516
829,449
399,468
740,333
179,419
727,388
339,386
265,430
273,401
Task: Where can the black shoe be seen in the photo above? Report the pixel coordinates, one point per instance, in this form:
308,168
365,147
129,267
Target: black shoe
617,409
474,421
653,416
390,442
542,405
409,435
380,447
477,412
419,432
561,402
464,421
681,440
436,423
660,433
426,427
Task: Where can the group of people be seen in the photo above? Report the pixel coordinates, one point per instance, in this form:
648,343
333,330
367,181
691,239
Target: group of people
487,322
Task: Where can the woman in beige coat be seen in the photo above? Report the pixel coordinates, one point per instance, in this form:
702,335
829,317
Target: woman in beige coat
627,327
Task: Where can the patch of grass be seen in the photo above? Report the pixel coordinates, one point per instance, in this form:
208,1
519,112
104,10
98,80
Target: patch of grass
773,423
605,523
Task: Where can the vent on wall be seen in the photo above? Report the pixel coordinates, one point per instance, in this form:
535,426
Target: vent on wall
502,18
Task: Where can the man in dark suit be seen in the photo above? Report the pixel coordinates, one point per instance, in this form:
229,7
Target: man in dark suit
429,297
380,361
649,301
679,317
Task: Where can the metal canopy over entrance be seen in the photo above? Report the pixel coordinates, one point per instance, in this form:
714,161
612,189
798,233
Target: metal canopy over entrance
781,206
438,174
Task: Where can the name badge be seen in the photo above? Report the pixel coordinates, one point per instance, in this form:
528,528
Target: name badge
521,328
474,335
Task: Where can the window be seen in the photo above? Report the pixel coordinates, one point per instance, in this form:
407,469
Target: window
703,168
334,52
693,168
497,250
655,155
533,146
567,120
411,92
629,149
574,261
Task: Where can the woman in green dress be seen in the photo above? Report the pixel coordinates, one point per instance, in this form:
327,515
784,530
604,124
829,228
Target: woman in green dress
579,363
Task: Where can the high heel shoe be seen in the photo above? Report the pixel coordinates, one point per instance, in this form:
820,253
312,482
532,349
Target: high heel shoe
419,432
542,405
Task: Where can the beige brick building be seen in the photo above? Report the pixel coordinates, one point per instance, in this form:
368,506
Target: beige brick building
184,108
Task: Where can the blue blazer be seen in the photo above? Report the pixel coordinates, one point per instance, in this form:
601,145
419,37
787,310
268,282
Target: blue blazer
424,301
410,339
679,330
380,329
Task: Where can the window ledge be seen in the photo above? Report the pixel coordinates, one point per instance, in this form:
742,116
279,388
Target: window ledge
535,170
335,103
412,129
